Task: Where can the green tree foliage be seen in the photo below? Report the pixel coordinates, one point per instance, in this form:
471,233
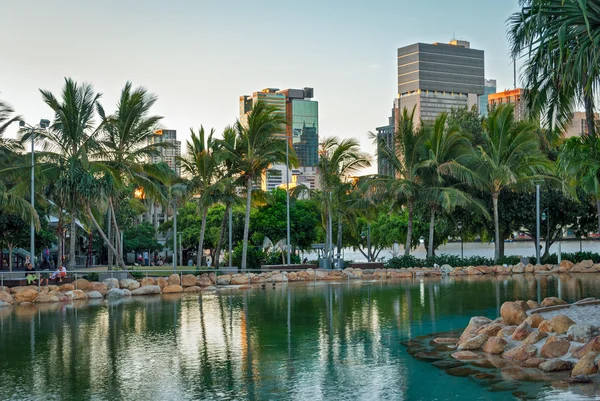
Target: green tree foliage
141,238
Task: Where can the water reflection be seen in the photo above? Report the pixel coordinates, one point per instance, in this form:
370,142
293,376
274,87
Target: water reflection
314,341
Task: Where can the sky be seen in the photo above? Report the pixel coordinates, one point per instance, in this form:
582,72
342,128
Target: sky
199,56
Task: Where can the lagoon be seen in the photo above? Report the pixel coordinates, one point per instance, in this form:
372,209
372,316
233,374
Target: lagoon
313,341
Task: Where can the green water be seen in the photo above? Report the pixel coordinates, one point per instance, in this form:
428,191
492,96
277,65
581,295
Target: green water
324,341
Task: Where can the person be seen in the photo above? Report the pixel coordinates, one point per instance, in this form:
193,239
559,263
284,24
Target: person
208,262
27,260
46,254
146,259
30,275
305,261
59,274
190,263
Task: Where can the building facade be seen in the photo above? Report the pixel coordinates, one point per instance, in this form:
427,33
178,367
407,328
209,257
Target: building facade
578,125
488,89
515,97
168,154
386,133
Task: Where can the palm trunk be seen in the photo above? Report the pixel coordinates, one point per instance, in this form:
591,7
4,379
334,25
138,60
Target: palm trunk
109,231
201,241
431,232
72,239
221,236
590,118
10,248
246,222
104,237
339,237
120,260
330,229
496,227
598,210
409,228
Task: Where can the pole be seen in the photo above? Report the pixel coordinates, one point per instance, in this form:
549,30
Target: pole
462,255
174,237
369,242
537,223
230,236
32,228
287,196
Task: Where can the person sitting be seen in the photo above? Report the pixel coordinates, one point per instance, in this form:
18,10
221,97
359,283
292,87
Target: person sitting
30,274
59,274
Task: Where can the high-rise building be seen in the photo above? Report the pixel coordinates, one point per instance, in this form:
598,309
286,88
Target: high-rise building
579,125
302,131
170,153
515,97
434,78
386,133
488,89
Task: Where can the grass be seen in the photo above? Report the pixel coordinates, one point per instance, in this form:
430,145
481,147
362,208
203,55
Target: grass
167,270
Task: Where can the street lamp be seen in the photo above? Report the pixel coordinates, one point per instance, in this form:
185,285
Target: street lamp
580,234
537,223
461,239
32,129
287,196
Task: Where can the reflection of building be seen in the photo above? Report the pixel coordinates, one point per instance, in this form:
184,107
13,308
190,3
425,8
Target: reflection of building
489,88
515,97
437,77
578,125
386,133
169,154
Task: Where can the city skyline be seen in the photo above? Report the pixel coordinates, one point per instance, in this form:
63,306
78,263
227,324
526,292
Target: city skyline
199,57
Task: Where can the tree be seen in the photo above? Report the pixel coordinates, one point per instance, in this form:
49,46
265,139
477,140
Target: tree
141,238
14,232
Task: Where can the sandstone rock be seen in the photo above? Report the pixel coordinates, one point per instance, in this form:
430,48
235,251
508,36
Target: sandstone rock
465,355
129,284
5,289
6,297
277,278
126,292
94,295
522,331
512,314
292,276
586,365
565,266
203,281
28,295
161,282
540,268
506,332
446,340
555,365
591,346
518,268
472,343
446,268
491,329
555,347
224,279
523,305
239,279
52,287
147,290
15,290
561,323
545,326
188,280
45,298
148,281
194,288
532,362
115,293
213,277
582,266
494,345
534,320
584,300
66,287
529,268
485,269
111,283
172,289
82,284
552,301
100,287
535,337
76,295
174,279
581,333
520,353
475,324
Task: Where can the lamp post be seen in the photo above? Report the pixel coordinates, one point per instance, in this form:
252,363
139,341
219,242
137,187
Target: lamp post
461,239
546,218
41,126
287,196
230,235
537,223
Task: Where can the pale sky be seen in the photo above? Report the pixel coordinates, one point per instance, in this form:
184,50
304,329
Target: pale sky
199,56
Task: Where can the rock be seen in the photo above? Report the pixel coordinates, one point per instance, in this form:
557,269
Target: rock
45,298
586,365
224,279
582,266
518,268
533,305
27,295
209,288
239,279
475,324
278,278
581,333
126,292
188,280
111,283
147,290
213,277
561,323
555,347
446,269
555,365
535,337
520,353
491,329
532,362
565,266
545,326
203,281
521,331
76,295
552,301
446,340
584,300
494,345
148,281
591,346
506,332
129,284
172,289
52,288
540,268
115,293
194,288
529,268
82,284
3,304
66,287
523,305
512,314
94,295
465,355
100,287
485,269
15,290
161,282
174,279
581,379
472,343
534,320
292,276
6,297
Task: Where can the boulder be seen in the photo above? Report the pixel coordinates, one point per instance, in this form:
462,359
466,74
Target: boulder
534,320
552,301
213,277
129,284
585,300
28,295
521,332
161,282
194,288
545,326
532,362
561,323
591,346
535,337
172,289
126,292
485,269
582,266
518,268
82,284
465,355
148,281
446,269
5,289
224,279
491,330
523,305
529,268
555,347
472,343
111,283
565,266
540,268
174,279
94,295
520,353
146,290
188,280
581,333
512,313
100,287
278,278
52,288
475,324
506,331
66,287
6,297
445,340
239,279
76,295
292,276
586,365
555,365
494,345
15,290
115,293
45,298
203,281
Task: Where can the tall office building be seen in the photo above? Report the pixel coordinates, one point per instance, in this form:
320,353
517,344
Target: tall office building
302,132
579,125
488,89
515,97
435,78
386,133
168,154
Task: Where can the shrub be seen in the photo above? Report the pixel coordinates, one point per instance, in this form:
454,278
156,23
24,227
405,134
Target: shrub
254,260
274,258
92,277
136,275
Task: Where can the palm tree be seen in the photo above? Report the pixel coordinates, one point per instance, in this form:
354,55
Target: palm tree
509,158
255,149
